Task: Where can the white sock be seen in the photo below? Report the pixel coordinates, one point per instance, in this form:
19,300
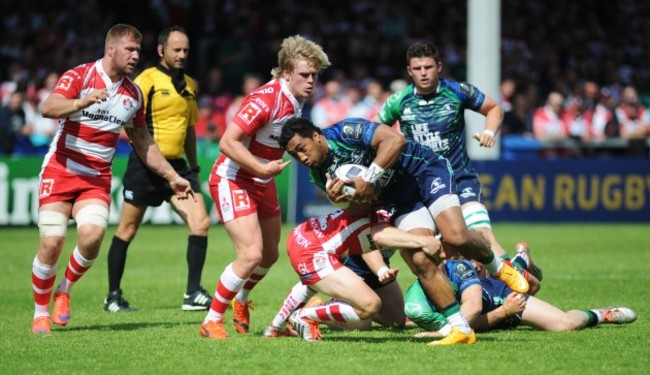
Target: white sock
298,295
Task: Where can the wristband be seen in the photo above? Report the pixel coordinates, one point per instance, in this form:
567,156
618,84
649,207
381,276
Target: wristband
373,173
74,104
489,132
382,271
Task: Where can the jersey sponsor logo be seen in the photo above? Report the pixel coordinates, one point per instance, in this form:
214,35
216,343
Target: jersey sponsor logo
241,200
64,82
436,185
467,192
164,92
301,240
407,114
446,110
225,206
467,89
46,187
433,140
249,112
266,90
261,103
371,243
302,268
352,130
103,117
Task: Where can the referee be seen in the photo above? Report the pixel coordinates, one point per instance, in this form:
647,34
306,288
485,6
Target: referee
171,111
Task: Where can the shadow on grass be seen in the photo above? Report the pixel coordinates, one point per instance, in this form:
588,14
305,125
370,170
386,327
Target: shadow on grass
120,326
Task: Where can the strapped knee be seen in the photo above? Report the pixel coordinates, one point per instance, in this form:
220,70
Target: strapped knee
52,223
92,214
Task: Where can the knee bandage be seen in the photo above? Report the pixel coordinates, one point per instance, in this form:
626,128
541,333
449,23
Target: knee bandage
419,218
52,223
92,214
476,216
443,203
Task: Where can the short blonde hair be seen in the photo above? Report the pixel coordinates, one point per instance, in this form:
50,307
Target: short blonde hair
123,30
295,48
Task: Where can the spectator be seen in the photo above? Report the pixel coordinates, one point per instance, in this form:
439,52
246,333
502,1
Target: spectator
333,107
507,90
14,127
547,120
249,83
632,115
211,123
518,120
604,122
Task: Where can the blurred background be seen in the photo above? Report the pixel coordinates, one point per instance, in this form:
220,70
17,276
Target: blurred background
586,51
574,80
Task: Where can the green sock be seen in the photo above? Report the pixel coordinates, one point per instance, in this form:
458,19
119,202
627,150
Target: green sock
593,318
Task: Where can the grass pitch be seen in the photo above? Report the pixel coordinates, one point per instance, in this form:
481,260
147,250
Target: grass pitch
585,266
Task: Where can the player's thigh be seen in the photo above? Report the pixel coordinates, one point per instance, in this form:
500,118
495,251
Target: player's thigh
392,305
245,233
193,212
345,285
53,225
451,225
542,315
271,229
91,216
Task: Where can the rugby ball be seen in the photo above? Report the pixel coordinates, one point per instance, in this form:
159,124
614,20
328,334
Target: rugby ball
346,173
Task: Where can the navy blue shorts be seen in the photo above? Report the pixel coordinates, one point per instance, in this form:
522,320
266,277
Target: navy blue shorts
359,266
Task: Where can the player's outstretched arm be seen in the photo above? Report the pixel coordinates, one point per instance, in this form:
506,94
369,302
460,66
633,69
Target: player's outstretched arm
388,236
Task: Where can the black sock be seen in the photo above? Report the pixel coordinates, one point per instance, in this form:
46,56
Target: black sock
196,249
116,263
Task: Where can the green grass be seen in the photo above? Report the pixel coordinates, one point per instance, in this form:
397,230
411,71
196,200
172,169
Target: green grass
585,265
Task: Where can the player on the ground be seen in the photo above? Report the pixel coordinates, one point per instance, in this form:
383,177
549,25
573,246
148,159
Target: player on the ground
373,268
94,102
170,109
315,248
490,304
241,181
431,111
413,183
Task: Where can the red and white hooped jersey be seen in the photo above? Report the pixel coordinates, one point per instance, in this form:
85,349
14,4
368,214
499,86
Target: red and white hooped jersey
338,233
85,141
261,116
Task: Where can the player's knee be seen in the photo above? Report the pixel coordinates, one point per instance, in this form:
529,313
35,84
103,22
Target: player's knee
561,325
457,237
92,214
90,236
370,307
199,226
424,267
52,224
250,257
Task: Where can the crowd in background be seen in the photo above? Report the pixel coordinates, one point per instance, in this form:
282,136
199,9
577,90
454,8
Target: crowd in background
574,70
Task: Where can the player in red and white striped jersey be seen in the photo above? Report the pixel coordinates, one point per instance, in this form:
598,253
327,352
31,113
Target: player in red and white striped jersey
241,181
94,101
315,248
